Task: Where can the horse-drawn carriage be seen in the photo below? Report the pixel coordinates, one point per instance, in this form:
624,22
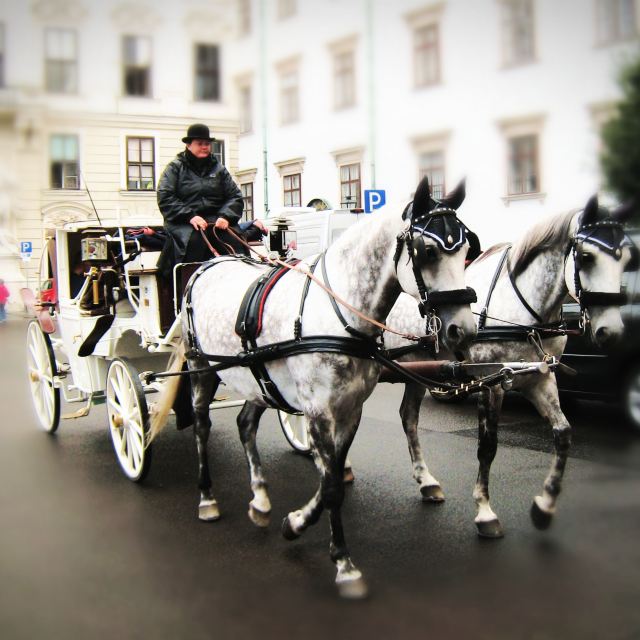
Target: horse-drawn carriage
320,351
104,316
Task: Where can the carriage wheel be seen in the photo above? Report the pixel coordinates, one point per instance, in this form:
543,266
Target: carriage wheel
128,419
41,362
295,431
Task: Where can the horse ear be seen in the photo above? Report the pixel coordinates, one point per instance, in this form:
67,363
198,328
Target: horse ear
422,198
624,211
590,213
455,198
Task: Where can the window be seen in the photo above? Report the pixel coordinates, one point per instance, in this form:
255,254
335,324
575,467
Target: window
344,79
289,111
247,198
517,32
523,165
217,150
140,164
136,55
61,65
431,165
246,110
616,20
207,72
350,186
2,55
427,55
244,17
292,190
286,8
64,163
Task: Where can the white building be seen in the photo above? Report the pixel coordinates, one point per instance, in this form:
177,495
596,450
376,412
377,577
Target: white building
339,96
95,96
331,97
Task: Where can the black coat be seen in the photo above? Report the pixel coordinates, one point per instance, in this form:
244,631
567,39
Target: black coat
189,187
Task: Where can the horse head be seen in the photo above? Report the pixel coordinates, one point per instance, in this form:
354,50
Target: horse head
436,244
600,252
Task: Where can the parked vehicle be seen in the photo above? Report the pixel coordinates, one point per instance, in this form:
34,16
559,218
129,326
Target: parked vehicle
611,376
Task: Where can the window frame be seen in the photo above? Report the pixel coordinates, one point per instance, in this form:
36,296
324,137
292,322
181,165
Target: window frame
510,29
531,157
426,57
3,54
137,67
212,73
60,68
292,190
65,164
438,187
140,163
248,211
608,36
246,107
286,9
289,94
344,203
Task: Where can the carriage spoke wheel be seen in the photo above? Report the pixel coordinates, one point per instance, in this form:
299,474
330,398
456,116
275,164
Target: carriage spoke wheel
128,419
41,363
295,429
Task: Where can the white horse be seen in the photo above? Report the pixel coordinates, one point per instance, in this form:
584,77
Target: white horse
584,254
368,266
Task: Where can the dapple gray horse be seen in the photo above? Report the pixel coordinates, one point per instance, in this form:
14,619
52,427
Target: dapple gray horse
581,253
368,267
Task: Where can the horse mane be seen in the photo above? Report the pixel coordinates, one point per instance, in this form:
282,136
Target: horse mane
490,251
549,234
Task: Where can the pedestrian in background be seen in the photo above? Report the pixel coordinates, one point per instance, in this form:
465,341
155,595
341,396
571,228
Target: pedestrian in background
4,296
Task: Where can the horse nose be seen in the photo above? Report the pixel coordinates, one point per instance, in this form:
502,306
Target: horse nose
456,336
604,336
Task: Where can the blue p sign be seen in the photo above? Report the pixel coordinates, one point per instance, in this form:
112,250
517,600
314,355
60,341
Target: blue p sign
374,199
26,247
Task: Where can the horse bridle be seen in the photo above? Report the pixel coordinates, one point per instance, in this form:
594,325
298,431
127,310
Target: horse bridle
442,225
608,236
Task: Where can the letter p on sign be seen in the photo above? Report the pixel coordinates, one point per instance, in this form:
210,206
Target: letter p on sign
374,199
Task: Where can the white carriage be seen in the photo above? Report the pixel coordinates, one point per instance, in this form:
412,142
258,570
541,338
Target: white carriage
105,315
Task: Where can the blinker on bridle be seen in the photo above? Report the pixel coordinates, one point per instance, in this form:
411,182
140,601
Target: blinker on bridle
443,226
608,236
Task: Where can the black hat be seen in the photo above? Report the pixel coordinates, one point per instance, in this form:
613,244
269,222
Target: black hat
197,132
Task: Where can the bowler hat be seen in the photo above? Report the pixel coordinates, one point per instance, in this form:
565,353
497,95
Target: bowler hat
197,132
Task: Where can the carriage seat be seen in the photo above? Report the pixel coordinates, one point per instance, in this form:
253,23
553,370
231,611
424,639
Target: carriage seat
144,263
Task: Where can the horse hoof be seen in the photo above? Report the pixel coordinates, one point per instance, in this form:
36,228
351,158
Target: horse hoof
432,493
348,476
208,512
490,529
259,518
541,519
288,532
353,589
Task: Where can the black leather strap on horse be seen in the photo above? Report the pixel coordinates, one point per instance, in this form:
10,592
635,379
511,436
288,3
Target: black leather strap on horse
248,327
297,325
525,304
483,314
347,327
603,299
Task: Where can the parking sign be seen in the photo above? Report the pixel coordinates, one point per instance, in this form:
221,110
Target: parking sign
374,199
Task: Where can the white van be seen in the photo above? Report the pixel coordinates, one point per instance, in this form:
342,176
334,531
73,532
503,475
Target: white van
313,231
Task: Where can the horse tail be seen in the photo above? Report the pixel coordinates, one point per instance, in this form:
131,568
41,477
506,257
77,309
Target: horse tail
167,394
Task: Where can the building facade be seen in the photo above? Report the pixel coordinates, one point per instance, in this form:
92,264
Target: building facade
94,100
340,96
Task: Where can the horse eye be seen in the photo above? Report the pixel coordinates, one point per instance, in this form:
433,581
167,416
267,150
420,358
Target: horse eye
587,258
430,253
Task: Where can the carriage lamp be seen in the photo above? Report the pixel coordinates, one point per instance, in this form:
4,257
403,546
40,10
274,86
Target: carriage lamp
94,246
282,237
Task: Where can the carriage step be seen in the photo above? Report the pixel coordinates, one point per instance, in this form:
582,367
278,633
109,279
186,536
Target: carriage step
80,413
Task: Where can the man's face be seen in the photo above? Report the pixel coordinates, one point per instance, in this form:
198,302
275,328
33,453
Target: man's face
200,148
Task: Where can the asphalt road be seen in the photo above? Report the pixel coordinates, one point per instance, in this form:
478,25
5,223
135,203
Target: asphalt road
84,553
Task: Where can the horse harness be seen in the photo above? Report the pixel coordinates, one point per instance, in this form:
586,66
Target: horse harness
607,235
249,320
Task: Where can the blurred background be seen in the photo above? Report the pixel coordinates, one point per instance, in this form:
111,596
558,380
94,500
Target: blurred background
312,102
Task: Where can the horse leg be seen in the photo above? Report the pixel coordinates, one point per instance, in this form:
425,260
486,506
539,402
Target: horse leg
248,420
489,405
410,413
544,396
204,386
329,456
